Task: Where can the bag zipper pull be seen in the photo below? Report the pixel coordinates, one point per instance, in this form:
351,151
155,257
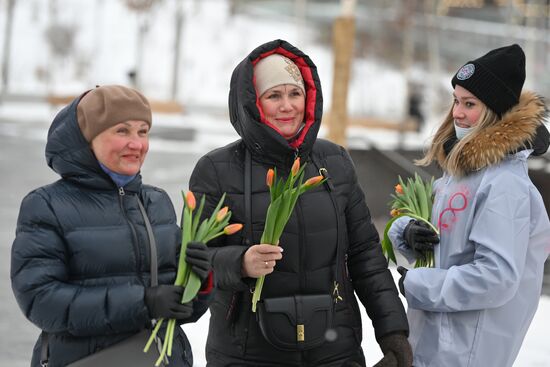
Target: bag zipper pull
324,172
336,293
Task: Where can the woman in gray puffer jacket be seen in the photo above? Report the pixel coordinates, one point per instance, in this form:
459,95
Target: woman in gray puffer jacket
80,264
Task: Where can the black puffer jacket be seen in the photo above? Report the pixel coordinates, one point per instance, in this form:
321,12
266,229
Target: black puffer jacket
80,259
309,239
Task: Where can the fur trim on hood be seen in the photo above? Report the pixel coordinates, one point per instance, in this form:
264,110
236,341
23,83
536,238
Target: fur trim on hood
515,131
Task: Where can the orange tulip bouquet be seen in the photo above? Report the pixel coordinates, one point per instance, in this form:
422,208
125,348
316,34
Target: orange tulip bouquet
414,199
193,231
284,194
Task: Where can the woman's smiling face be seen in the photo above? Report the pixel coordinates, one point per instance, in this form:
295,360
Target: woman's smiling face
122,148
283,107
467,108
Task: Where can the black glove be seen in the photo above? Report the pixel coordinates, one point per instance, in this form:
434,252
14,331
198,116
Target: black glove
198,256
388,360
403,271
397,351
420,236
164,302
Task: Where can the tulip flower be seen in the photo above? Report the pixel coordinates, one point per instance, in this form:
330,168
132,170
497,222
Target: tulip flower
398,189
232,228
295,167
269,177
190,200
221,214
193,230
414,199
314,181
284,194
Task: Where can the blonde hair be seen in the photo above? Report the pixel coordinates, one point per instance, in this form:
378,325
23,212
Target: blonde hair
436,151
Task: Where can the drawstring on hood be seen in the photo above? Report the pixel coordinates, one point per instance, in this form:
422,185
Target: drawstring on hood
297,135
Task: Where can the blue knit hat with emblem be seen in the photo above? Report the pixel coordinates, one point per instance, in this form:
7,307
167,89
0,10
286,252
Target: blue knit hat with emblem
495,78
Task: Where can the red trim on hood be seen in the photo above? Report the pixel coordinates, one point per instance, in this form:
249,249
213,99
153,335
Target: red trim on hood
311,93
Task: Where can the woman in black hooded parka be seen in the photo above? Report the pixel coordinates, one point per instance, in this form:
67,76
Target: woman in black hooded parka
275,104
80,265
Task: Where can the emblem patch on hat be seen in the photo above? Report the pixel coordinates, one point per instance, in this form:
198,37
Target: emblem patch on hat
293,71
466,72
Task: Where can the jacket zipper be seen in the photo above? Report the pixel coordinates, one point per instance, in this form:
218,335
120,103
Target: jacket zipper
135,244
301,252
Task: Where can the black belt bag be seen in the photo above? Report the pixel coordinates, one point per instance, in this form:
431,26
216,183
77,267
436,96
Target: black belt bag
295,323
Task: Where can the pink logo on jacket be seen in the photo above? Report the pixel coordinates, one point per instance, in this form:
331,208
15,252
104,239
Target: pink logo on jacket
457,203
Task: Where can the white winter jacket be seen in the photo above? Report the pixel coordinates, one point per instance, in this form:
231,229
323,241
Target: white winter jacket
474,308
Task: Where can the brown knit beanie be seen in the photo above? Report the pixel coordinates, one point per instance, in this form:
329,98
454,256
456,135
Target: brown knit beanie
108,105
275,70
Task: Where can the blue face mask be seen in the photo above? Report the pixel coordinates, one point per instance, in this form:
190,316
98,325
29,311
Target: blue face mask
462,131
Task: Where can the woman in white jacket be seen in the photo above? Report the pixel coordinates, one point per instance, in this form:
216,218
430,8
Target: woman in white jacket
475,306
